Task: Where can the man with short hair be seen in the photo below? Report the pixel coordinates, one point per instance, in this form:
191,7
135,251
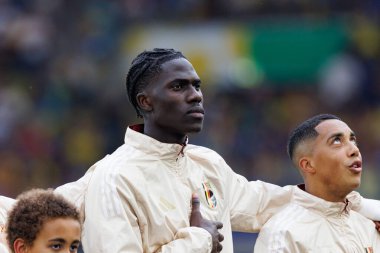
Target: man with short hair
319,217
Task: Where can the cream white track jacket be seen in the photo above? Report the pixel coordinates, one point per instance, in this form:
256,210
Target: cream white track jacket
138,199
310,224
5,205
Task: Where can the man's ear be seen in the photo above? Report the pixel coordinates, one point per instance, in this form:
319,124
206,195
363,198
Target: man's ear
306,165
143,102
20,246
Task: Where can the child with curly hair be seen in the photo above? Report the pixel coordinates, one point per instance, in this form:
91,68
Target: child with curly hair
42,221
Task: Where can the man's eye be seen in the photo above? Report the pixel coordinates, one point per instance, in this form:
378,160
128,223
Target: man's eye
337,140
177,86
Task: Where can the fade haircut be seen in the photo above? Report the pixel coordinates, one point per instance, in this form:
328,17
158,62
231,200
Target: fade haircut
305,131
32,210
143,68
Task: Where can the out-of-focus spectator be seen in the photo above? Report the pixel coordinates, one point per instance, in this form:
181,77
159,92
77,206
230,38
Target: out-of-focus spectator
341,80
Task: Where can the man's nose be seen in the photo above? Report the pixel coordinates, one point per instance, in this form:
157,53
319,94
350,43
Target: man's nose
195,94
353,150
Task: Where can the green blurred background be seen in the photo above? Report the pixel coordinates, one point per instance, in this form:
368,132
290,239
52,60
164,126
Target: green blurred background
265,65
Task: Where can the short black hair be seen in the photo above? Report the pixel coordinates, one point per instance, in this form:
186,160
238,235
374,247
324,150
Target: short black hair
306,130
143,68
32,209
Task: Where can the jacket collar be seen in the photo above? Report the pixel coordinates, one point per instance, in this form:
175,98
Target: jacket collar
319,205
135,137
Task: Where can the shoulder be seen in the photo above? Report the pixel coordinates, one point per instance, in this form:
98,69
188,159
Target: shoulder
125,167
360,221
201,152
209,160
365,230
287,217
123,156
286,230
289,221
6,205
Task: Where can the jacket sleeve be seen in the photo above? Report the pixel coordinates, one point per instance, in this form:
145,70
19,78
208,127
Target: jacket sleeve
3,246
6,205
369,208
253,203
122,234
114,222
190,239
75,191
186,240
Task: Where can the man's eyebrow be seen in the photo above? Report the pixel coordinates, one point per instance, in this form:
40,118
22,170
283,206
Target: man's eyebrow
184,80
340,134
334,135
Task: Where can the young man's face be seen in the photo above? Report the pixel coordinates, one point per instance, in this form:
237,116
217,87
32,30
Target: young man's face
176,100
60,235
336,159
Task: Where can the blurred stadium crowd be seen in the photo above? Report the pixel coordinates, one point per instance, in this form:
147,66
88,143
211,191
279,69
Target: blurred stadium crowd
63,104
266,66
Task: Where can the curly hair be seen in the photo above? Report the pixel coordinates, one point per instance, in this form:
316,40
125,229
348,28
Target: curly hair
32,209
143,68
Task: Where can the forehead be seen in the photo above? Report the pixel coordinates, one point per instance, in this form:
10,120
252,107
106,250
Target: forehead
332,126
177,69
60,226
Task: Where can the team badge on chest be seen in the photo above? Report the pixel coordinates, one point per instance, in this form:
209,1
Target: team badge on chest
209,194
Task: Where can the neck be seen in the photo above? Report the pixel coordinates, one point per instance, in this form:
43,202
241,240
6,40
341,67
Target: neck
325,193
164,136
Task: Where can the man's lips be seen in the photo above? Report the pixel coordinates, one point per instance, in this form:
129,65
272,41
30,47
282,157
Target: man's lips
356,166
196,111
